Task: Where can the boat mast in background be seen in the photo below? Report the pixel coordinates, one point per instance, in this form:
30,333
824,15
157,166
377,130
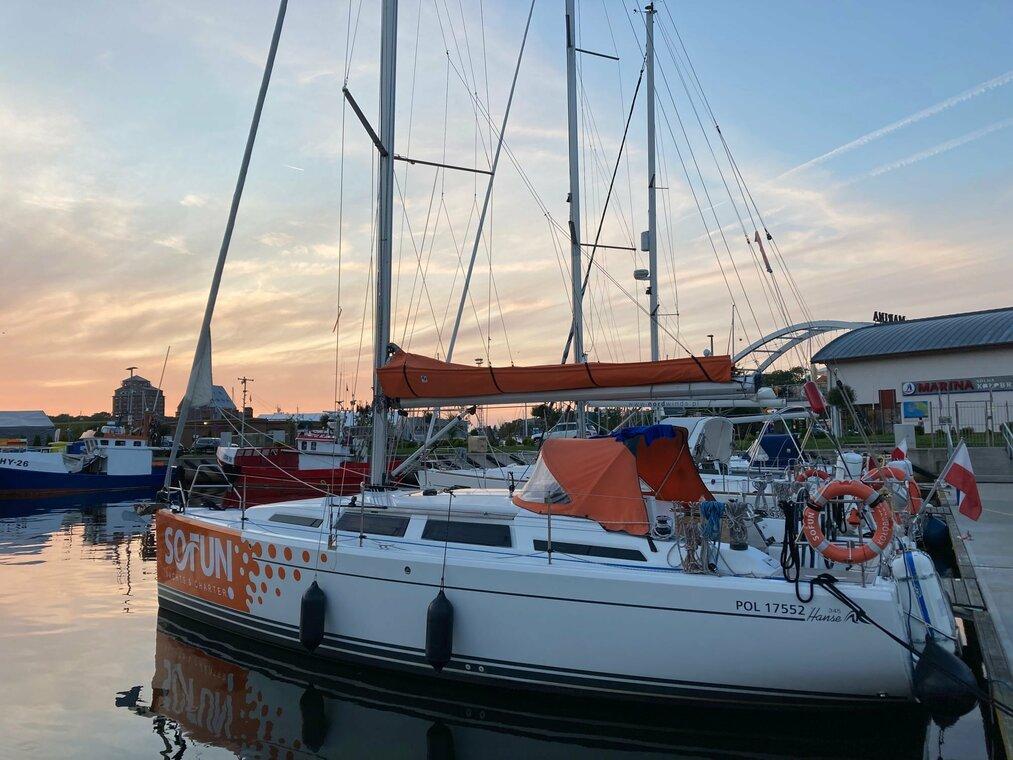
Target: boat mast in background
202,354
652,209
385,231
576,262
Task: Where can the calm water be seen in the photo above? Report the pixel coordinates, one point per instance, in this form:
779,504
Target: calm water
89,669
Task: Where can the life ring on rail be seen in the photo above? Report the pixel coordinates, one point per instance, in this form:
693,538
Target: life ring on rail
847,554
811,472
877,479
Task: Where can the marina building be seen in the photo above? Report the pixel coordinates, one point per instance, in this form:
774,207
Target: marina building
135,396
948,372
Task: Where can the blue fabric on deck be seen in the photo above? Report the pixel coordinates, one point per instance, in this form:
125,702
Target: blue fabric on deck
780,448
651,433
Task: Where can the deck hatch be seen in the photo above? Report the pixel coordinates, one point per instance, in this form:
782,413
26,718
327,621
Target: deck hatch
378,525
484,534
303,520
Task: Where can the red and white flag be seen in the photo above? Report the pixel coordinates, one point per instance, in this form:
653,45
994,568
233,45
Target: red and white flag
900,451
960,475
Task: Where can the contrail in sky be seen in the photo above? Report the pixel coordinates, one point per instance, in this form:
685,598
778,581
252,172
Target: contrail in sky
956,142
943,105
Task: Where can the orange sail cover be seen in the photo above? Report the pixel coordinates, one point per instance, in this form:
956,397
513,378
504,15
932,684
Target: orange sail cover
594,478
412,376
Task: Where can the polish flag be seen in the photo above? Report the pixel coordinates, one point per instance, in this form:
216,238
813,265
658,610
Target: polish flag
960,475
900,451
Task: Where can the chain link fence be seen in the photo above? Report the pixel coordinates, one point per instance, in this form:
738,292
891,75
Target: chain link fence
979,423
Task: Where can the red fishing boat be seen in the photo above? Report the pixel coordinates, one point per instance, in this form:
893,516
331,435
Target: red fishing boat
321,463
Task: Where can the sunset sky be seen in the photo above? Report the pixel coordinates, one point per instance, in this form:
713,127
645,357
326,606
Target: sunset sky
876,138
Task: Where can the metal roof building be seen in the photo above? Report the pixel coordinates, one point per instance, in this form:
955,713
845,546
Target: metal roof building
954,370
955,332
28,425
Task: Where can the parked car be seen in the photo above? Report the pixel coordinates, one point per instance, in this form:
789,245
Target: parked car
205,445
565,430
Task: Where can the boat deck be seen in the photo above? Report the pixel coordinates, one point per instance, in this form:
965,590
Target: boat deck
983,592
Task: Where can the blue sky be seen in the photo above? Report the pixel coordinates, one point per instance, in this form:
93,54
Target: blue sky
124,125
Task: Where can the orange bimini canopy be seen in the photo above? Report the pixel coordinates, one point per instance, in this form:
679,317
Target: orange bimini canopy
593,478
411,376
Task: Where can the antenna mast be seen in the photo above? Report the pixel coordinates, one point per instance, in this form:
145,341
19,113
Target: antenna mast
242,425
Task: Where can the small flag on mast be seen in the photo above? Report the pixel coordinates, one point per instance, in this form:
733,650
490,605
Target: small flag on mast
960,475
899,451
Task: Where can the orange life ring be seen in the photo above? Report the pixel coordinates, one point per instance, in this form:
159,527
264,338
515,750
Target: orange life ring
877,479
811,472
848,554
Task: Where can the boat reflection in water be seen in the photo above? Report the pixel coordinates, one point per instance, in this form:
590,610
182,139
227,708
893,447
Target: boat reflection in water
210,688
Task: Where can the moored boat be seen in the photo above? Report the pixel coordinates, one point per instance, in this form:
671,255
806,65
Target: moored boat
118,465
578,583
608,574
321,463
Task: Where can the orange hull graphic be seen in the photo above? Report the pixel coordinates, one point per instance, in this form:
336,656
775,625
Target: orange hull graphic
213,564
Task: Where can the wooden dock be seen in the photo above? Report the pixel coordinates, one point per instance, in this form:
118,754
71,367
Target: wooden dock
970,604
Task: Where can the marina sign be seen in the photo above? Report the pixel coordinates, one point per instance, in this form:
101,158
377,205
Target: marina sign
958,385
883,317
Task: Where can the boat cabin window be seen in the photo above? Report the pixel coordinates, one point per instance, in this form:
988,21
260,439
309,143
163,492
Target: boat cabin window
304,520
302,445
313,446
120,443
137,443
589,550
378,525
484,534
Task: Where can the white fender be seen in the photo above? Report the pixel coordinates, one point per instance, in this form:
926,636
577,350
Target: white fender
920,593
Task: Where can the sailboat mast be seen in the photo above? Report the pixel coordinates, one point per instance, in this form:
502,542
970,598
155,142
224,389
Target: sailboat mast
202,354
652,208
576,263
385,229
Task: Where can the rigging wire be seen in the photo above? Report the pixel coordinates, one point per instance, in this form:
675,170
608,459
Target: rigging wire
601,221
706,192
418,256
407,165
743,185
367,295
772,285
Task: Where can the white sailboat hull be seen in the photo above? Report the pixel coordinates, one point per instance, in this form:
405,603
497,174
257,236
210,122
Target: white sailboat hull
574,626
